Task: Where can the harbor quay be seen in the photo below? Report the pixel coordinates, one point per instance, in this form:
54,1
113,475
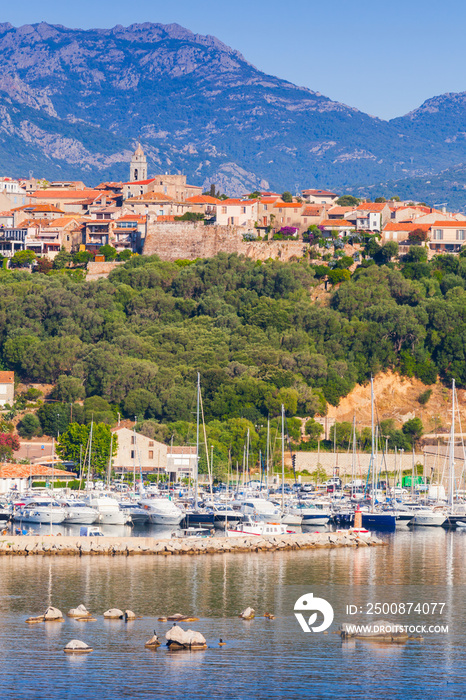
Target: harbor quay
127,546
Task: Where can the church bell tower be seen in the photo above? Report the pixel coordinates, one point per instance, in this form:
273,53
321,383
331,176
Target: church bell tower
138,170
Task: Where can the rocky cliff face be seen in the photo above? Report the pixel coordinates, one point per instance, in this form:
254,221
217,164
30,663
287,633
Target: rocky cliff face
73,103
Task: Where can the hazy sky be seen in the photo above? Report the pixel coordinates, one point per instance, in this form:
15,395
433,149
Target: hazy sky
383,58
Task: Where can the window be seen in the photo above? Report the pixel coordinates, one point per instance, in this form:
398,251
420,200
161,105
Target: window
244,210
151,444
151,454
133,440
437,234
224,210
460,235
265,207
132,454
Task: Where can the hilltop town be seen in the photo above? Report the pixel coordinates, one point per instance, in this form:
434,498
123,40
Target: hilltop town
165,215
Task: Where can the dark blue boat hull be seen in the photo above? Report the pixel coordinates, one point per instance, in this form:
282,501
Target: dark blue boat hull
379,521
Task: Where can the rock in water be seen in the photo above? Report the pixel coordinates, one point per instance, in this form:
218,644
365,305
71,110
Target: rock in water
80,611
153,642
130,615
53,615
113,614
76,646
247,614
35,620
178,638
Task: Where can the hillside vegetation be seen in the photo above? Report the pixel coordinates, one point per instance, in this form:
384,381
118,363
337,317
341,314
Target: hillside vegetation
134,343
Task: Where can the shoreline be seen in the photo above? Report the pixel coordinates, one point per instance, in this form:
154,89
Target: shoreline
56,545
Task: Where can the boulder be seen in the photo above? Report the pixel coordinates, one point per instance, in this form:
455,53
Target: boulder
113,614
88,618
178,638
130,615
53,615
76,646
161,619
80,611
153,642
269,616
247,614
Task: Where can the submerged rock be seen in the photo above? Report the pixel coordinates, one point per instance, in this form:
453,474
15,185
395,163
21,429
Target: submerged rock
178,638
247,614
76,646
35,620
53,615
181,618
113,614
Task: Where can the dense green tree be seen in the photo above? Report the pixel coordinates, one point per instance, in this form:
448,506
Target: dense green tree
29,426
108,251
23,258
62,259
347,200
75,446
287,196
313,429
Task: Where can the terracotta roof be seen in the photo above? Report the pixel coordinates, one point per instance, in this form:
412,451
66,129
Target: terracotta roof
320,192
340,210
132,217
269,200
288,205
448,224
24,471
186,450
203,199
237,202
7,377
64,194
407,226
372,206
312,211
337,222
141,182
6,213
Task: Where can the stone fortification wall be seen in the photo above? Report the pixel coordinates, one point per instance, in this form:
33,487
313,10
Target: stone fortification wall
190,240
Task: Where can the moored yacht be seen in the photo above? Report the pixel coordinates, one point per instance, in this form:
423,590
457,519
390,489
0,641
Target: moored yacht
41,511
109,511
162,511
79,513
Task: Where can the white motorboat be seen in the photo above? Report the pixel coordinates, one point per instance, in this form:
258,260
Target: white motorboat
138,515
162,511
259,509
259,528
41,511
79,513
109,511
426,517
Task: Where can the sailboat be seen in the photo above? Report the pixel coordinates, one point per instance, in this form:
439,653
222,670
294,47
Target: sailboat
196,516
376,520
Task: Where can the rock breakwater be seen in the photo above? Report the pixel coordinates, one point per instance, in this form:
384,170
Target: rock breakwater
40,545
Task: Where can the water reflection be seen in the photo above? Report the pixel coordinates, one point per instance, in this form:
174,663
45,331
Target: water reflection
262,658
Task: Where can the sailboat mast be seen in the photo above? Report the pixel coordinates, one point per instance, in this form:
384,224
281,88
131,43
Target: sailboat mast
373,442
452,446
283,456
196,475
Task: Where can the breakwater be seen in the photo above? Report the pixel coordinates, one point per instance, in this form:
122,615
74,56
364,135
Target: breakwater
42,545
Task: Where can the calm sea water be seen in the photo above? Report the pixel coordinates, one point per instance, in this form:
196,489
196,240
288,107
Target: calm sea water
262,658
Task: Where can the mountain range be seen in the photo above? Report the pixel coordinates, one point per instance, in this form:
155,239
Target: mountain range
74,103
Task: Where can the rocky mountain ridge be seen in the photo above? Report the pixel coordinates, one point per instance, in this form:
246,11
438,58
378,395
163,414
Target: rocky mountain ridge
74,102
